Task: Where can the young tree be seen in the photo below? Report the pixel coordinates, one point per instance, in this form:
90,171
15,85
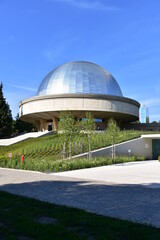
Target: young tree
68,130
88,126
155,122
5,116
112,134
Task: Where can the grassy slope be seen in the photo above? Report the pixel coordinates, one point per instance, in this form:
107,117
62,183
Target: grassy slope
44,153
51,144
24,218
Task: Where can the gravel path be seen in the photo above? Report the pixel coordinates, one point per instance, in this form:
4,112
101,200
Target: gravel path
136,203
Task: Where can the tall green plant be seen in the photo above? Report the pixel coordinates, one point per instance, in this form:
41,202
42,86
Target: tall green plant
112,135
88,126
68,129
21,126
5,116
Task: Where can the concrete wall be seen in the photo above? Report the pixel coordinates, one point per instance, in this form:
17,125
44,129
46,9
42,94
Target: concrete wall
78,104
155,127
139,147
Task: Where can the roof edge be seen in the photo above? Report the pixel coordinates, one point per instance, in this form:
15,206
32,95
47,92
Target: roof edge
78,95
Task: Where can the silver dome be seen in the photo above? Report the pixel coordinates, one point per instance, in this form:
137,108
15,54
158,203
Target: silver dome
79,77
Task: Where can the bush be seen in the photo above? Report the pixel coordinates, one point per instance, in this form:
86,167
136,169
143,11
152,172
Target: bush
47,165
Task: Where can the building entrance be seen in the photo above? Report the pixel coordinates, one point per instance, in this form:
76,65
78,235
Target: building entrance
156,148
50,127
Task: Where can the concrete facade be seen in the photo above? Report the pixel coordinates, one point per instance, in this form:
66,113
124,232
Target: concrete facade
154,127
140,147
45,110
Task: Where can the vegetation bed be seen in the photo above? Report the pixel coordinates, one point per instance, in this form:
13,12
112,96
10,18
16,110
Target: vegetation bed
66,165
51,146
45,153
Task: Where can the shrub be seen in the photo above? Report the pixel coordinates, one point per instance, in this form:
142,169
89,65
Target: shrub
48,165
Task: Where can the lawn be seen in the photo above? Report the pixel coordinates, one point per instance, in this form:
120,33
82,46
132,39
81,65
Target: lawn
26,219
45,153
66,165
50,147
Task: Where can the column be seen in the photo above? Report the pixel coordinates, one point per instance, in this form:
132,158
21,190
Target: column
55,123
38,125
43,125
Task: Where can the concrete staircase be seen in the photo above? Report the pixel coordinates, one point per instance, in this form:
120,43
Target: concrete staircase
10,141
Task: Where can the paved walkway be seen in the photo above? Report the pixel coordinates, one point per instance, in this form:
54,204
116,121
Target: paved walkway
10,141
99,190
146,173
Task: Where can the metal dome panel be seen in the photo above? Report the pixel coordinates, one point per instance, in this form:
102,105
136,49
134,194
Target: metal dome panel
79,77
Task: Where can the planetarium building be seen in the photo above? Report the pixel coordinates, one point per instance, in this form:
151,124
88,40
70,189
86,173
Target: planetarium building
78,87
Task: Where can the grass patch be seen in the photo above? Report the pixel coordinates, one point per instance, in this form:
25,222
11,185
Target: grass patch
50,147
25,218
68,164
45,153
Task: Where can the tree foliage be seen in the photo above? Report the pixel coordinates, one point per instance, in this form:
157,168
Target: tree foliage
20,126
112,134
5,116
155,122
68,130
88,126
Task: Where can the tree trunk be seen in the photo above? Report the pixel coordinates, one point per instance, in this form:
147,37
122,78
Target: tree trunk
70,150
90,154
63,151
113,153
113,150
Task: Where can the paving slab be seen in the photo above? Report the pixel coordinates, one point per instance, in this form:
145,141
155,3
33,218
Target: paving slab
89,189
146,173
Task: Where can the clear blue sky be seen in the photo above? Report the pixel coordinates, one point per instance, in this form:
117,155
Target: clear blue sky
123,36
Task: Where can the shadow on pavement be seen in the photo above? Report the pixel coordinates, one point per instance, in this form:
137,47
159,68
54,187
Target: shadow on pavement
129,202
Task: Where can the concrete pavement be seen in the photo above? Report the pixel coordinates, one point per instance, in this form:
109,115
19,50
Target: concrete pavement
128,191
10,141
146,173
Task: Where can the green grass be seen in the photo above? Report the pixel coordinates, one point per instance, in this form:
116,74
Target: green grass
25,218
51,146
68,164
45,153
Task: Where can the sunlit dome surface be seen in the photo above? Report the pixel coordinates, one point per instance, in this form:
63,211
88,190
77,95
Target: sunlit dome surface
79,77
